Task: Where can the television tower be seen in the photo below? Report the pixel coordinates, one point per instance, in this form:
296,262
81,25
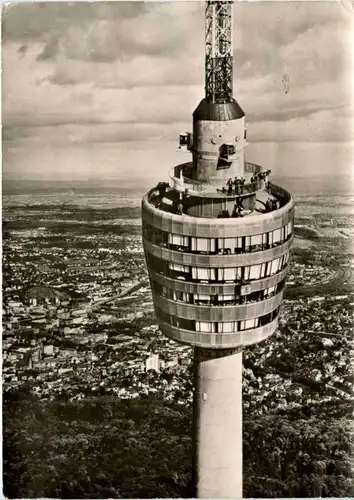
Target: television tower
217,239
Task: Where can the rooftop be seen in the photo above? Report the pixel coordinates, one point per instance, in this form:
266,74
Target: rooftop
251,195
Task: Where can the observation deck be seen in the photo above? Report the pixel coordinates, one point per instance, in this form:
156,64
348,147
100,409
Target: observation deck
217,274
180,179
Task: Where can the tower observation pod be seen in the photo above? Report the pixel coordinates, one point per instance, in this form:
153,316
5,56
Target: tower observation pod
217,238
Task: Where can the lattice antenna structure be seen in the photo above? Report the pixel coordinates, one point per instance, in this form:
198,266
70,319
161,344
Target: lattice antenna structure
218,51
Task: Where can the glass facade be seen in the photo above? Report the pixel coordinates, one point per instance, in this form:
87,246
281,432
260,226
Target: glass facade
218,246
217,299
216,327
217,275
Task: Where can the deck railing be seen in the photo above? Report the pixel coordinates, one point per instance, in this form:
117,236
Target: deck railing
181,182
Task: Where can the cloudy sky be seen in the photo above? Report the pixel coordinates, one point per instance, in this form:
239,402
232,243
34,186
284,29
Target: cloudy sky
100,91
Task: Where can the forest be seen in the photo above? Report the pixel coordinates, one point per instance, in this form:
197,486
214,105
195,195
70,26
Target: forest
104,447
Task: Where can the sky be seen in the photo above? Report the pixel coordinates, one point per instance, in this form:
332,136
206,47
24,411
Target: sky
100,91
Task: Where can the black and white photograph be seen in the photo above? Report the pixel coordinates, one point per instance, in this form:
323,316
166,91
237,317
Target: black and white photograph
177,249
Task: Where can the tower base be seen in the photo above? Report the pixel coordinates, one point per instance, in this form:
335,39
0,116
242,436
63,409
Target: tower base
217,425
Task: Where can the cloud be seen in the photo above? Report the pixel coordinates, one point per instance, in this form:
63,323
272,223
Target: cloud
140,71
102,32
86,133
107,74
36,21
30,98
49,51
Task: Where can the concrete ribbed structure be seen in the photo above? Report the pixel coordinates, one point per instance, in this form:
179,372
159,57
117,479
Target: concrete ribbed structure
190,284
217,280
215,312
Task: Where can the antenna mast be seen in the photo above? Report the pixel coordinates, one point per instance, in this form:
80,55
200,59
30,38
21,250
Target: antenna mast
218,51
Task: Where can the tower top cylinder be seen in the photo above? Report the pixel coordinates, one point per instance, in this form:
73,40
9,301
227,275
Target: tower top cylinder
218,121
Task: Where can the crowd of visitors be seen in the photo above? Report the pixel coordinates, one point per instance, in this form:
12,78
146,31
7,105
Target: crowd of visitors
236,212
236,186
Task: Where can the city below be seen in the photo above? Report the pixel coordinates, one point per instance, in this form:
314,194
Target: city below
78,318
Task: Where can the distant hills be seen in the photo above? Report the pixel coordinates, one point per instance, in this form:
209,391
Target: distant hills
12,187
300,186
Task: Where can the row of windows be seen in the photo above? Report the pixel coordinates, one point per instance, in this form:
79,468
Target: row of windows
217,275
216,327
218,300
217,246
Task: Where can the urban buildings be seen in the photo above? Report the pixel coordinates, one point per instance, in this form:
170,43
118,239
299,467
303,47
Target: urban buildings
217,239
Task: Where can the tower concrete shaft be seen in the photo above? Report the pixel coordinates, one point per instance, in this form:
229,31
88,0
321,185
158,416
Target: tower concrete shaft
217,425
